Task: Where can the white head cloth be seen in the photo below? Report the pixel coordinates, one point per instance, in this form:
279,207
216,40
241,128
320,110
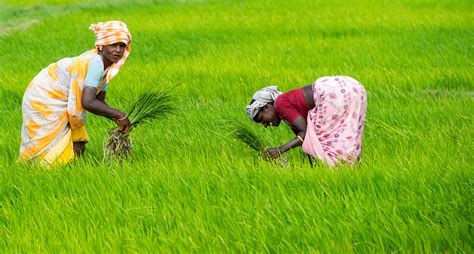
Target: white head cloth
262,97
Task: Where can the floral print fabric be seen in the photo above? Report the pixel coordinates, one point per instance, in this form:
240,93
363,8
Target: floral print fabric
336,123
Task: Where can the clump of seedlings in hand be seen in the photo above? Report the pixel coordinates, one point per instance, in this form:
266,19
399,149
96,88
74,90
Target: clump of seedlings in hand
148,107
244,134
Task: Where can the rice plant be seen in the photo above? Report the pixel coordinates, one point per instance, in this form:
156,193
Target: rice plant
148,107
243,133
246,135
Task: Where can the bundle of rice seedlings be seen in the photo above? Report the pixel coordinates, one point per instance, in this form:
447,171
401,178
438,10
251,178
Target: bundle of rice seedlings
244,134
148,107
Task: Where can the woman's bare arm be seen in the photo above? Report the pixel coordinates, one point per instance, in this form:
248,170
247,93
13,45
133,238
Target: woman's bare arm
96,104
299,128
98,107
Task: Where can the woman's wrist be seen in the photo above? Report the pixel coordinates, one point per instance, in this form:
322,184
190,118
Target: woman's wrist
118,115
122,118
282,149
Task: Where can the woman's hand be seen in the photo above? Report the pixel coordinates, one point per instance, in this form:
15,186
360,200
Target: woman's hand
123,123
271,153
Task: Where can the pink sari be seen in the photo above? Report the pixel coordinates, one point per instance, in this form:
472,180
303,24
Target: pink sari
336,123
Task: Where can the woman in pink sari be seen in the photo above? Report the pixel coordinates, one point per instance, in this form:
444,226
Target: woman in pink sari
327,118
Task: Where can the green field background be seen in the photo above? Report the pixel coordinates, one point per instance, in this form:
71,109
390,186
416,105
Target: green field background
190,187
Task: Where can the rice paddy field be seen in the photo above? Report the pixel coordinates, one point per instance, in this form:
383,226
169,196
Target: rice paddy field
190,186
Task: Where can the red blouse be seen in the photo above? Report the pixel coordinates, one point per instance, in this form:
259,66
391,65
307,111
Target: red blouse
292,104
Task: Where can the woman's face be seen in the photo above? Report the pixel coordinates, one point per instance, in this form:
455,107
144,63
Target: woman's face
113,52
267,116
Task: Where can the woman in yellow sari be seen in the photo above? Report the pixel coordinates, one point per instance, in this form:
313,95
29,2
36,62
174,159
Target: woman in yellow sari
55,103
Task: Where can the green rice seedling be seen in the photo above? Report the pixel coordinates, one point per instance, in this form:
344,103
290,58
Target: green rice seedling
148,107
243,133
246,135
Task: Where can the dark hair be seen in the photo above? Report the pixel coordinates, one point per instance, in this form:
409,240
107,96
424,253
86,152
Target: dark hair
251,102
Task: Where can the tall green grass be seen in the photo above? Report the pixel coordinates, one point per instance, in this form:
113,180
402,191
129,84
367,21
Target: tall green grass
190,188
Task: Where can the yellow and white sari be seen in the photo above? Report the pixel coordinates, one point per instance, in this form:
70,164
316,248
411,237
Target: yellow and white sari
53,116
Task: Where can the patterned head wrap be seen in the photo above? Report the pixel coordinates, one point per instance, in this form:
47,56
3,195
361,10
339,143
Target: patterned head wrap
111,32
261,98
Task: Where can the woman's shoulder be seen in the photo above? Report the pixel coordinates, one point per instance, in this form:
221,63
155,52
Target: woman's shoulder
97,59
282,100
96,63
291,98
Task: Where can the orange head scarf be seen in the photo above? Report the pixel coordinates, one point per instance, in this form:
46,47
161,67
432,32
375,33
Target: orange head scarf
111,32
